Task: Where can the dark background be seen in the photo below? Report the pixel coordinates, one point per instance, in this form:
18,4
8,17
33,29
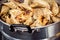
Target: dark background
0,36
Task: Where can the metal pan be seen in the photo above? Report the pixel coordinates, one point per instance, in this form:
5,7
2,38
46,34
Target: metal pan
40,33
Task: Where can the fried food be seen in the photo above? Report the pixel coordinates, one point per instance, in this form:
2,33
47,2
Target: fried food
8,20
47,13
58,15
41,21
41,3
29,21
15,12
54,6
55,19
4,10
11,5
35,13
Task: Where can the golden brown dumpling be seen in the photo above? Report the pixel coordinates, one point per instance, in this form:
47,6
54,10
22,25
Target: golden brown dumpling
4,10
37,12
55,19
54,6
11,5
29,21
14,13
41,3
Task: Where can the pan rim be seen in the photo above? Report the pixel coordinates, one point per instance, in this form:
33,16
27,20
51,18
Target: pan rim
33,27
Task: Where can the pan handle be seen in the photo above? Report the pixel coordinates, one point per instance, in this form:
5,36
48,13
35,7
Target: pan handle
20,27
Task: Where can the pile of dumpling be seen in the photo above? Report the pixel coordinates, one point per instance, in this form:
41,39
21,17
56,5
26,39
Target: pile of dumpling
35,13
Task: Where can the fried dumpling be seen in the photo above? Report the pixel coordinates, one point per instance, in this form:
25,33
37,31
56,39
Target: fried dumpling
58,15
4,10
37,12
54,6
29,21
27,2
24,16
40,21
55,19
41,3
11,5
23,5
14,13
47,13
8,20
